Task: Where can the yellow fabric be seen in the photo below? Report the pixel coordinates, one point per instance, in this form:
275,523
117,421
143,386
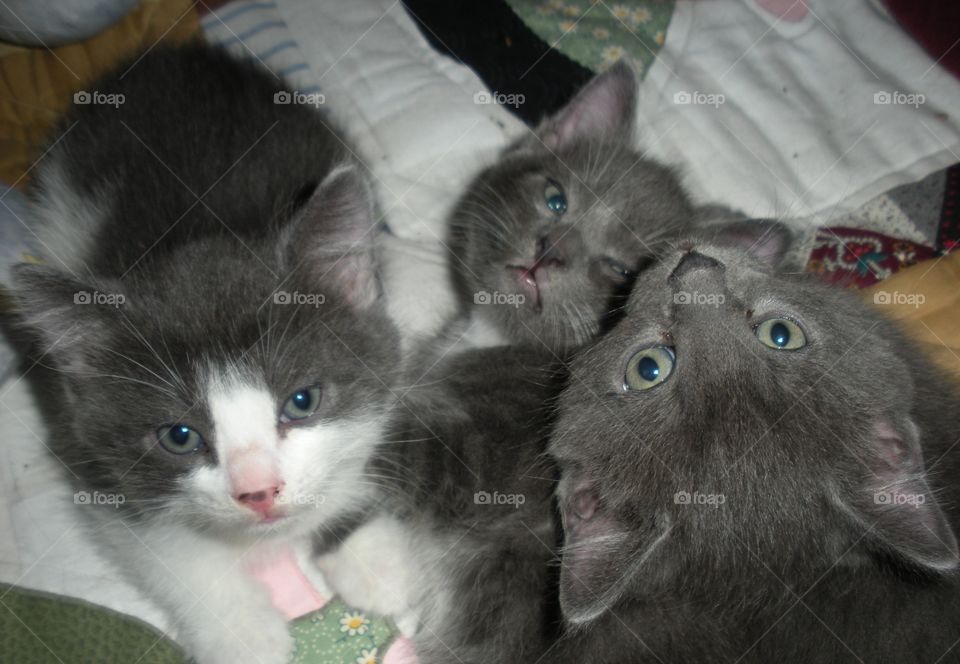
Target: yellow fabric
925,300
37,85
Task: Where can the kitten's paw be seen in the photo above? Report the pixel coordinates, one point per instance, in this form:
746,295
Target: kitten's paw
375,570
256,636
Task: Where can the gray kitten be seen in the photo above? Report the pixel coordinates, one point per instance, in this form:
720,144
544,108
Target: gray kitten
547,241
459,552
212,308
756,468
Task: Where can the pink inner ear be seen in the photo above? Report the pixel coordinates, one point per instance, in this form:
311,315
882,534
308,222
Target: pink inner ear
898,502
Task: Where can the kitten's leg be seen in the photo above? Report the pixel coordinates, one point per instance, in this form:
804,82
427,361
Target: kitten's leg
221,614
377,569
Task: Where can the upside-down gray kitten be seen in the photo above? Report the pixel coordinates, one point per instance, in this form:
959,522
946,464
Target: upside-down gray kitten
547,241
211,305
756,467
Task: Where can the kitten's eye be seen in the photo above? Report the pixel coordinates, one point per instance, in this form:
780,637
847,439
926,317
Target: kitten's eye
781,334
618,269
179,439
649,367
555,199
301,404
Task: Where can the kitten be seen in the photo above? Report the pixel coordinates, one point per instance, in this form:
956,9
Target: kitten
459,552
547,241
756,467
211,306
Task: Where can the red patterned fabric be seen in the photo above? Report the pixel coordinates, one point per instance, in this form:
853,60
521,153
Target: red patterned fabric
857,258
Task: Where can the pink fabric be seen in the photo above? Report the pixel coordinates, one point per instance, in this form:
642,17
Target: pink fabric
290,590
401,652
785,10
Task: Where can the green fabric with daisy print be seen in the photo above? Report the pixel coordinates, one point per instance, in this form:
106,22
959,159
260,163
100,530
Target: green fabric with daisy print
597,33
337,634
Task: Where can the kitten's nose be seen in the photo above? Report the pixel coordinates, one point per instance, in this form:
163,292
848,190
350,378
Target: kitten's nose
259,500
693,261
255,481
550,251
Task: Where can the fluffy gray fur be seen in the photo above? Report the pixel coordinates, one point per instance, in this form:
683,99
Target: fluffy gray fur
572,268
789,541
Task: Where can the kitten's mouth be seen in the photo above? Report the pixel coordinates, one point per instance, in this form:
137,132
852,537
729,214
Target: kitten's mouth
527,281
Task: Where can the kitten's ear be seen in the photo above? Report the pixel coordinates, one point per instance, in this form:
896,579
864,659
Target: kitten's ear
604,108
600,559
66,315
896,501
767,241
331,242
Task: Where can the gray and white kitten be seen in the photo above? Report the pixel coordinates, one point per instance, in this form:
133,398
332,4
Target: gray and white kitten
756,467
547,241
211,306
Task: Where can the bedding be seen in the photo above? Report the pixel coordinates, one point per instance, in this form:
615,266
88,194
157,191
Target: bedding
412,107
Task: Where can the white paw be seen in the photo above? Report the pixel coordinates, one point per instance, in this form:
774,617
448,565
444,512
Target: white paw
258,636
374,570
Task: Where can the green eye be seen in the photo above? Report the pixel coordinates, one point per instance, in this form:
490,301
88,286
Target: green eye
781,334
649,367
301,404
179,439
555,199
618,269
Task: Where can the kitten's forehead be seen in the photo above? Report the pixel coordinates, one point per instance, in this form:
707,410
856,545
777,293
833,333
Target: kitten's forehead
241,407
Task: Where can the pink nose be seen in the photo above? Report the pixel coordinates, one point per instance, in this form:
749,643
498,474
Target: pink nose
261,500
254,480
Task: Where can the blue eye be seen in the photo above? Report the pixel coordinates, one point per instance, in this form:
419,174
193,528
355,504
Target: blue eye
179,439
301,404
649,367
555,199
781,334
